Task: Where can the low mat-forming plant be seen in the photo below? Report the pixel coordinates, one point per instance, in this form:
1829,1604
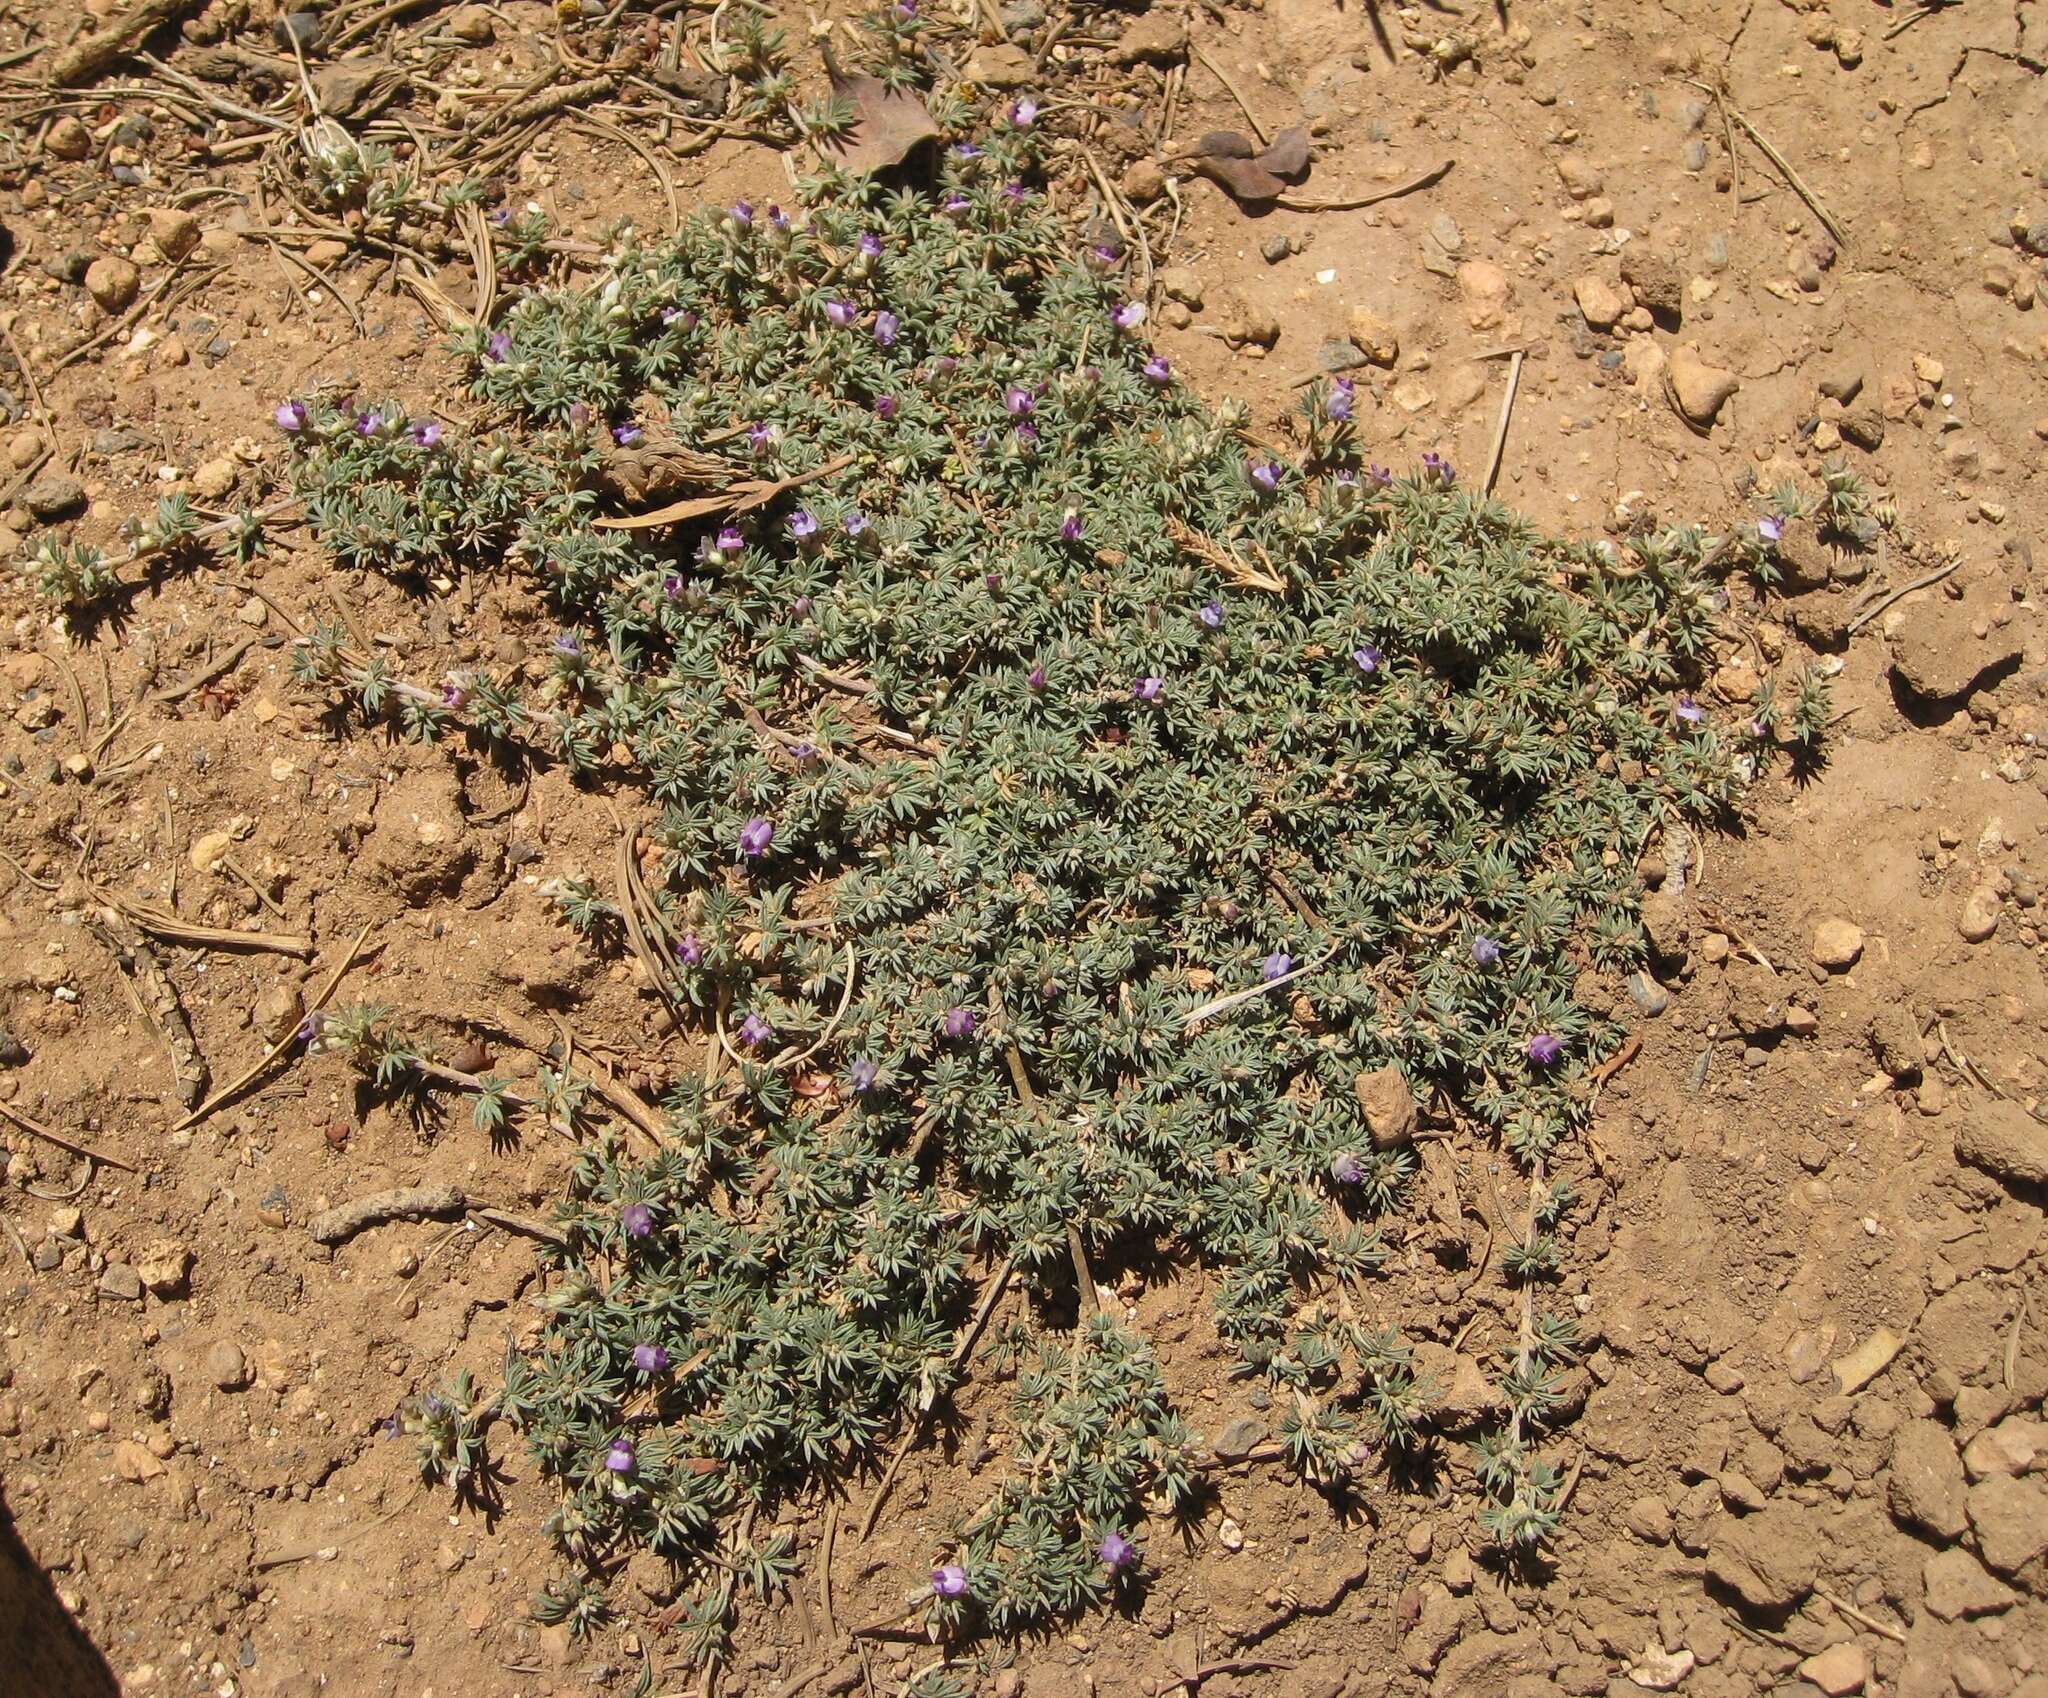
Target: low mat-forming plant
1061,799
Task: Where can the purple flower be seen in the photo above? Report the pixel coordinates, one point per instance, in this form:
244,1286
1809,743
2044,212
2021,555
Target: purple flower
650,1359
1545,1049
1338,406
730,541
1485,950
453,695
1366,659
499,348
1017,401
311,1028
885,407
1438,470
619,1459
625,435
1276,966
802,525
1157,372
755,836
906,8
862,1076
690,952
291,416
579,415
1070,526
1689,710
1116,1551
1380,478
369,423
1266,475
1024,113
1149,689
637,1219
760,438
957,205
1771,528
1102,256
841,313
804,754
670,314
742,213
992,582
425,432
502,216
672,585
959,1023
778,218
966,150
1211,614
1014,193
1027,436
1347,1169
1128,316
870,245
800,609
1034,680
949,1580
856,525
754,1031
887,324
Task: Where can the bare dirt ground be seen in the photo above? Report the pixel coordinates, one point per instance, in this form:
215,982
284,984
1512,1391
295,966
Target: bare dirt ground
1812,1456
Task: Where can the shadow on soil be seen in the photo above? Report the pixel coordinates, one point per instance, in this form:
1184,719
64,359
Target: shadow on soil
46,1650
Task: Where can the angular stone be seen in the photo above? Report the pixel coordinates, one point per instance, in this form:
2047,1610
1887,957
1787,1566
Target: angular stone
174,230
1769,1560
164,1266
1699,391
1388,1106
1925,1488
1839,1670
2014,1446
1957,1586
1600,303
2010,1521
1837,944
2002,1138
1655,281
1375,337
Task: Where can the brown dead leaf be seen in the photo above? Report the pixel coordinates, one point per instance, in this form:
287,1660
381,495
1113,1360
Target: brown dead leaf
888,123
656,467
1229,160
358,88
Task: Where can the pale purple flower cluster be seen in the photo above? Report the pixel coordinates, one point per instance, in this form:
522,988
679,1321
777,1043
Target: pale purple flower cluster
755,836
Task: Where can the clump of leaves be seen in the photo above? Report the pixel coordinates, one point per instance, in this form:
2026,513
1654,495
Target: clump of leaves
1061,797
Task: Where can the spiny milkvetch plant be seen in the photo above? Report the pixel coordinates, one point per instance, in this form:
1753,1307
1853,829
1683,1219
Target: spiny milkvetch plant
1060,798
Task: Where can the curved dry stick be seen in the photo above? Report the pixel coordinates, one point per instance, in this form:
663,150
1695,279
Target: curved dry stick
228,1092
832,1025
1351,203
36,1129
